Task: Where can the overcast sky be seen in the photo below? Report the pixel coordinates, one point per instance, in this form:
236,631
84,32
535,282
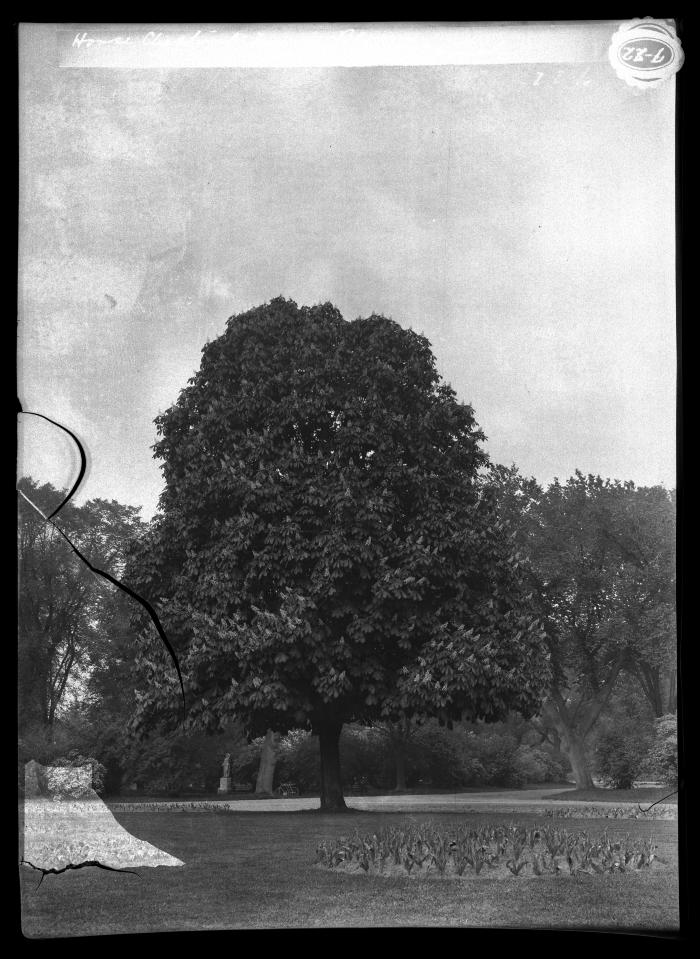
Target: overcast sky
519,216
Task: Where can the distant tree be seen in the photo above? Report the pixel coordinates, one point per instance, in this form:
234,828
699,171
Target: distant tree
101,716
643,529
65,612
323,550
601,562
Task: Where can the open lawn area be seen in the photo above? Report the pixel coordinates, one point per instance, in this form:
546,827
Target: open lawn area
256,870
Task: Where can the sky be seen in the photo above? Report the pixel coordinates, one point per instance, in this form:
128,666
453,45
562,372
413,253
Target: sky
519,215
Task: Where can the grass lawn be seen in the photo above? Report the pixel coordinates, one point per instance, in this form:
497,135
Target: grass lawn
644,795
255,870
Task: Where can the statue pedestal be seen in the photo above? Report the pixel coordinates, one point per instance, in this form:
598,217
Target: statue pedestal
224,784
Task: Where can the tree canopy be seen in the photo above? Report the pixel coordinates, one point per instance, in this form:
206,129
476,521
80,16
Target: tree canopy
325,550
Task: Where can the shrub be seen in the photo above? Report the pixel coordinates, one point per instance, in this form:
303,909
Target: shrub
365,757
478,755
482,755
68,777
298,761
434,756
43,744
619,754
622,736
244,765
538,765
531,764
180,762
493,750
662,758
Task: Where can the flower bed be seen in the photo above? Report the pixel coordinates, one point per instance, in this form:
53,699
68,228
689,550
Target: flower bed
627,811
464,852
177,805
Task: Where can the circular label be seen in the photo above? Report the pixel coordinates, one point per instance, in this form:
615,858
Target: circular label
645,53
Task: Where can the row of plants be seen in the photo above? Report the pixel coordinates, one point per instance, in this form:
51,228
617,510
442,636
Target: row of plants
631,811
424,849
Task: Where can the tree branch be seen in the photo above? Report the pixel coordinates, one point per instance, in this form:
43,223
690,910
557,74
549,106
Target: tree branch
602,698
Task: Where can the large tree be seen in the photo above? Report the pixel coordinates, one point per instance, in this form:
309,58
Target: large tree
601,562
324,550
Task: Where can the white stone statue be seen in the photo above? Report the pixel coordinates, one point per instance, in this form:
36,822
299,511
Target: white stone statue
227,765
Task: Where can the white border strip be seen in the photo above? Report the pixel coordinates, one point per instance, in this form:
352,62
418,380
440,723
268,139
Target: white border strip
198,46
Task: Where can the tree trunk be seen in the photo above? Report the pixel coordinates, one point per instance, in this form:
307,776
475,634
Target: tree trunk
569,741
671,700
576,754
651,682
268,761
400,763
573,723
331,785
